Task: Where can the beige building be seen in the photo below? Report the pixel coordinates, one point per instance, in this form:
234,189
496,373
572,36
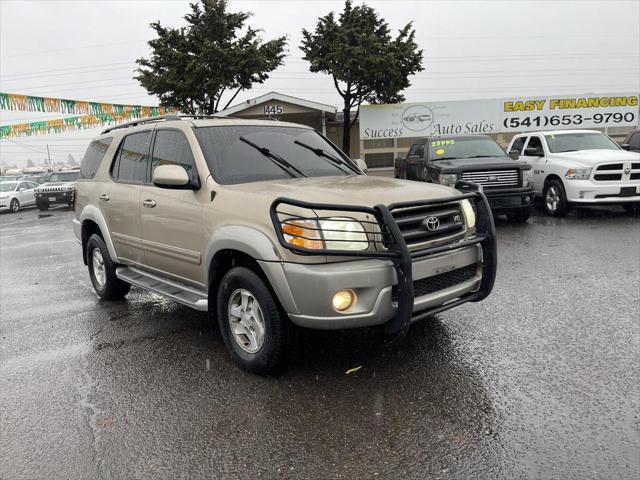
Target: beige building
328,120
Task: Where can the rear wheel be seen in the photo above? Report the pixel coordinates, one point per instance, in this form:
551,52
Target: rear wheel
519,215
255,330
42,204
14,206
103,271
554,199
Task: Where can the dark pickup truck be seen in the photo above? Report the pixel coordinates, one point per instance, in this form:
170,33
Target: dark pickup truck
507,183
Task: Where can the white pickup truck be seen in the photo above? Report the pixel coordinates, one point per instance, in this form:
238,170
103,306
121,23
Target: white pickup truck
579,167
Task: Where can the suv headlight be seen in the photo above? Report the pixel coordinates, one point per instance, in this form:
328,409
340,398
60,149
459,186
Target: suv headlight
448,178
527,177
578,174
469,213
332,234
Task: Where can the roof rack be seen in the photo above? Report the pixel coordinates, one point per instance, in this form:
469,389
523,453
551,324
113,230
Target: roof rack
160,118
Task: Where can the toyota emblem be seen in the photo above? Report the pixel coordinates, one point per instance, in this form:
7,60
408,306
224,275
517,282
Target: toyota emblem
432,224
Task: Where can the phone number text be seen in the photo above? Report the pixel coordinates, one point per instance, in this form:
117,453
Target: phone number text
575,119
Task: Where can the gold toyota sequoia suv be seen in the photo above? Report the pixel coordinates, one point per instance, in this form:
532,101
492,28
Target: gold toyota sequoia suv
266,224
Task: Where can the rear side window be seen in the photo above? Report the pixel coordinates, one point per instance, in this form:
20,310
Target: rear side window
132,159
417,150
93,157
171,147
517,145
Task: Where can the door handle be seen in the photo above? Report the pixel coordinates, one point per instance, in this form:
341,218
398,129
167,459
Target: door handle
149,203
104,197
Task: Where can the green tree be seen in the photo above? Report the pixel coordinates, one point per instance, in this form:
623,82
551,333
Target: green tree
365,62
192,67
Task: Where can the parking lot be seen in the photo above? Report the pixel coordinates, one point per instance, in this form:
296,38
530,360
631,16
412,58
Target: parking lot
541,380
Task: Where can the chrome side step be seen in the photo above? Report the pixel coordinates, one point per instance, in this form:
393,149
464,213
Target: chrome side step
167,288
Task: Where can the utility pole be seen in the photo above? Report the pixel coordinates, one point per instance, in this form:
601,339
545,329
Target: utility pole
48,154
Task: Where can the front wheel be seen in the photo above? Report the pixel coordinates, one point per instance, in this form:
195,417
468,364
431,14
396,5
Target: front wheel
555,199
255,330
14,206
519,215
103,271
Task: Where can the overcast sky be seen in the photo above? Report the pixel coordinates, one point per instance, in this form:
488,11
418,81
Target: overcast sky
86,50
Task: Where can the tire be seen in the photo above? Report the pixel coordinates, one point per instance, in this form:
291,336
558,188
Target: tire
519,215
14,206
105,282
631,208
261,342
554,199
42,205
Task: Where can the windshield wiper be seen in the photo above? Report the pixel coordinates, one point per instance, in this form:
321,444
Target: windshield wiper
333,159
565,151
275,158
480,156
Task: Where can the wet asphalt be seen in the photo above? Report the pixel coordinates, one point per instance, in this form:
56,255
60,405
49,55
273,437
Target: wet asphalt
539,381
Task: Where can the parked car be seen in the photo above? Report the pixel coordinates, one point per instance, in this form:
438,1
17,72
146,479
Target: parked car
472,158
579,167
15,195
267,224
59,189
632,142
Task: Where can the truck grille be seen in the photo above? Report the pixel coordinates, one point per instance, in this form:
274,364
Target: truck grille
493,178
610,172
425,224
435,283
49,189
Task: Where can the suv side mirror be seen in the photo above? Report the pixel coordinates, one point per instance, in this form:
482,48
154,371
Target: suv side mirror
362,165
171,176
514,154
625,146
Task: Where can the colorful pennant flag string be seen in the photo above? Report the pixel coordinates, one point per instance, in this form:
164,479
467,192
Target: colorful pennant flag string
30,103
81,122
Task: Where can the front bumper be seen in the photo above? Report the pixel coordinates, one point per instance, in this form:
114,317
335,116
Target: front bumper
592,192
509,199
384,281
55,197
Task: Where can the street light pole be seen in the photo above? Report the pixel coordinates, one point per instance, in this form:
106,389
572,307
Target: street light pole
48,154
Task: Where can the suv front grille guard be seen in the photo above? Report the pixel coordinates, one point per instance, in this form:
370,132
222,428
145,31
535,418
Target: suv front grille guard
385,240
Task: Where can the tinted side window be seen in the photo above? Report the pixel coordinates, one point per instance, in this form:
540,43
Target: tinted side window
517,145
132,159
417,149
534,144
93,157
171,147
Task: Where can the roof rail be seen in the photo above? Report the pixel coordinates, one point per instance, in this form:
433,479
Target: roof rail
167,118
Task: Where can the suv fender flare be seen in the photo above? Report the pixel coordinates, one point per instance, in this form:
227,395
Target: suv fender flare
94,214
258,246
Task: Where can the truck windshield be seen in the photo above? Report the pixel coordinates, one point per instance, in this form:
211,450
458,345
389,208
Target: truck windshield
64,177
572,142
448,148
232,156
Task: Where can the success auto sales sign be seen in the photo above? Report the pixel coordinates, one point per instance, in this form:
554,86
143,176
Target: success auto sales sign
496,116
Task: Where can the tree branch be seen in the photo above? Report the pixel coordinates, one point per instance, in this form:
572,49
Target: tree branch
335,82
232,98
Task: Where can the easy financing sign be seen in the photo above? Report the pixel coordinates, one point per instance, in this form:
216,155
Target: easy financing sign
495,116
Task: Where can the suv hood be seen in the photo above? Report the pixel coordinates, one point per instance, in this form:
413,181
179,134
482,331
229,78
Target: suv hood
361,190
57,184
458,164
592,157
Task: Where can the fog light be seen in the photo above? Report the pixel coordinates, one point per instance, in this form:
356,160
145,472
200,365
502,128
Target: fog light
343,300
527,199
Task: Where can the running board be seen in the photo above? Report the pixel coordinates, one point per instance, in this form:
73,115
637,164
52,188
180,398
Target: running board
167,288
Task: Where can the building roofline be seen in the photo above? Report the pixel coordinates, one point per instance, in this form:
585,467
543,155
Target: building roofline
277,96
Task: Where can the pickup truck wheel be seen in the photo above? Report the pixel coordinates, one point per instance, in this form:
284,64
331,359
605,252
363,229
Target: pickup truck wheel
42,205
554,199
519,215
253,327
103,271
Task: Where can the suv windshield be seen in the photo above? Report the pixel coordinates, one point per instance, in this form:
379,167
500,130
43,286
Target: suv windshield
8,186
64,177
571,142
463,147
233,159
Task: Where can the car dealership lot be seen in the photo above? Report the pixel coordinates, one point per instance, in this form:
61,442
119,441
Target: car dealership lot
541,380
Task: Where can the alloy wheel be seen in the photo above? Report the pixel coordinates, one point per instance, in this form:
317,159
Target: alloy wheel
246,320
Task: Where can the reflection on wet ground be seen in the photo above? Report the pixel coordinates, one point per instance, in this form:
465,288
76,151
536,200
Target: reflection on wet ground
539,381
